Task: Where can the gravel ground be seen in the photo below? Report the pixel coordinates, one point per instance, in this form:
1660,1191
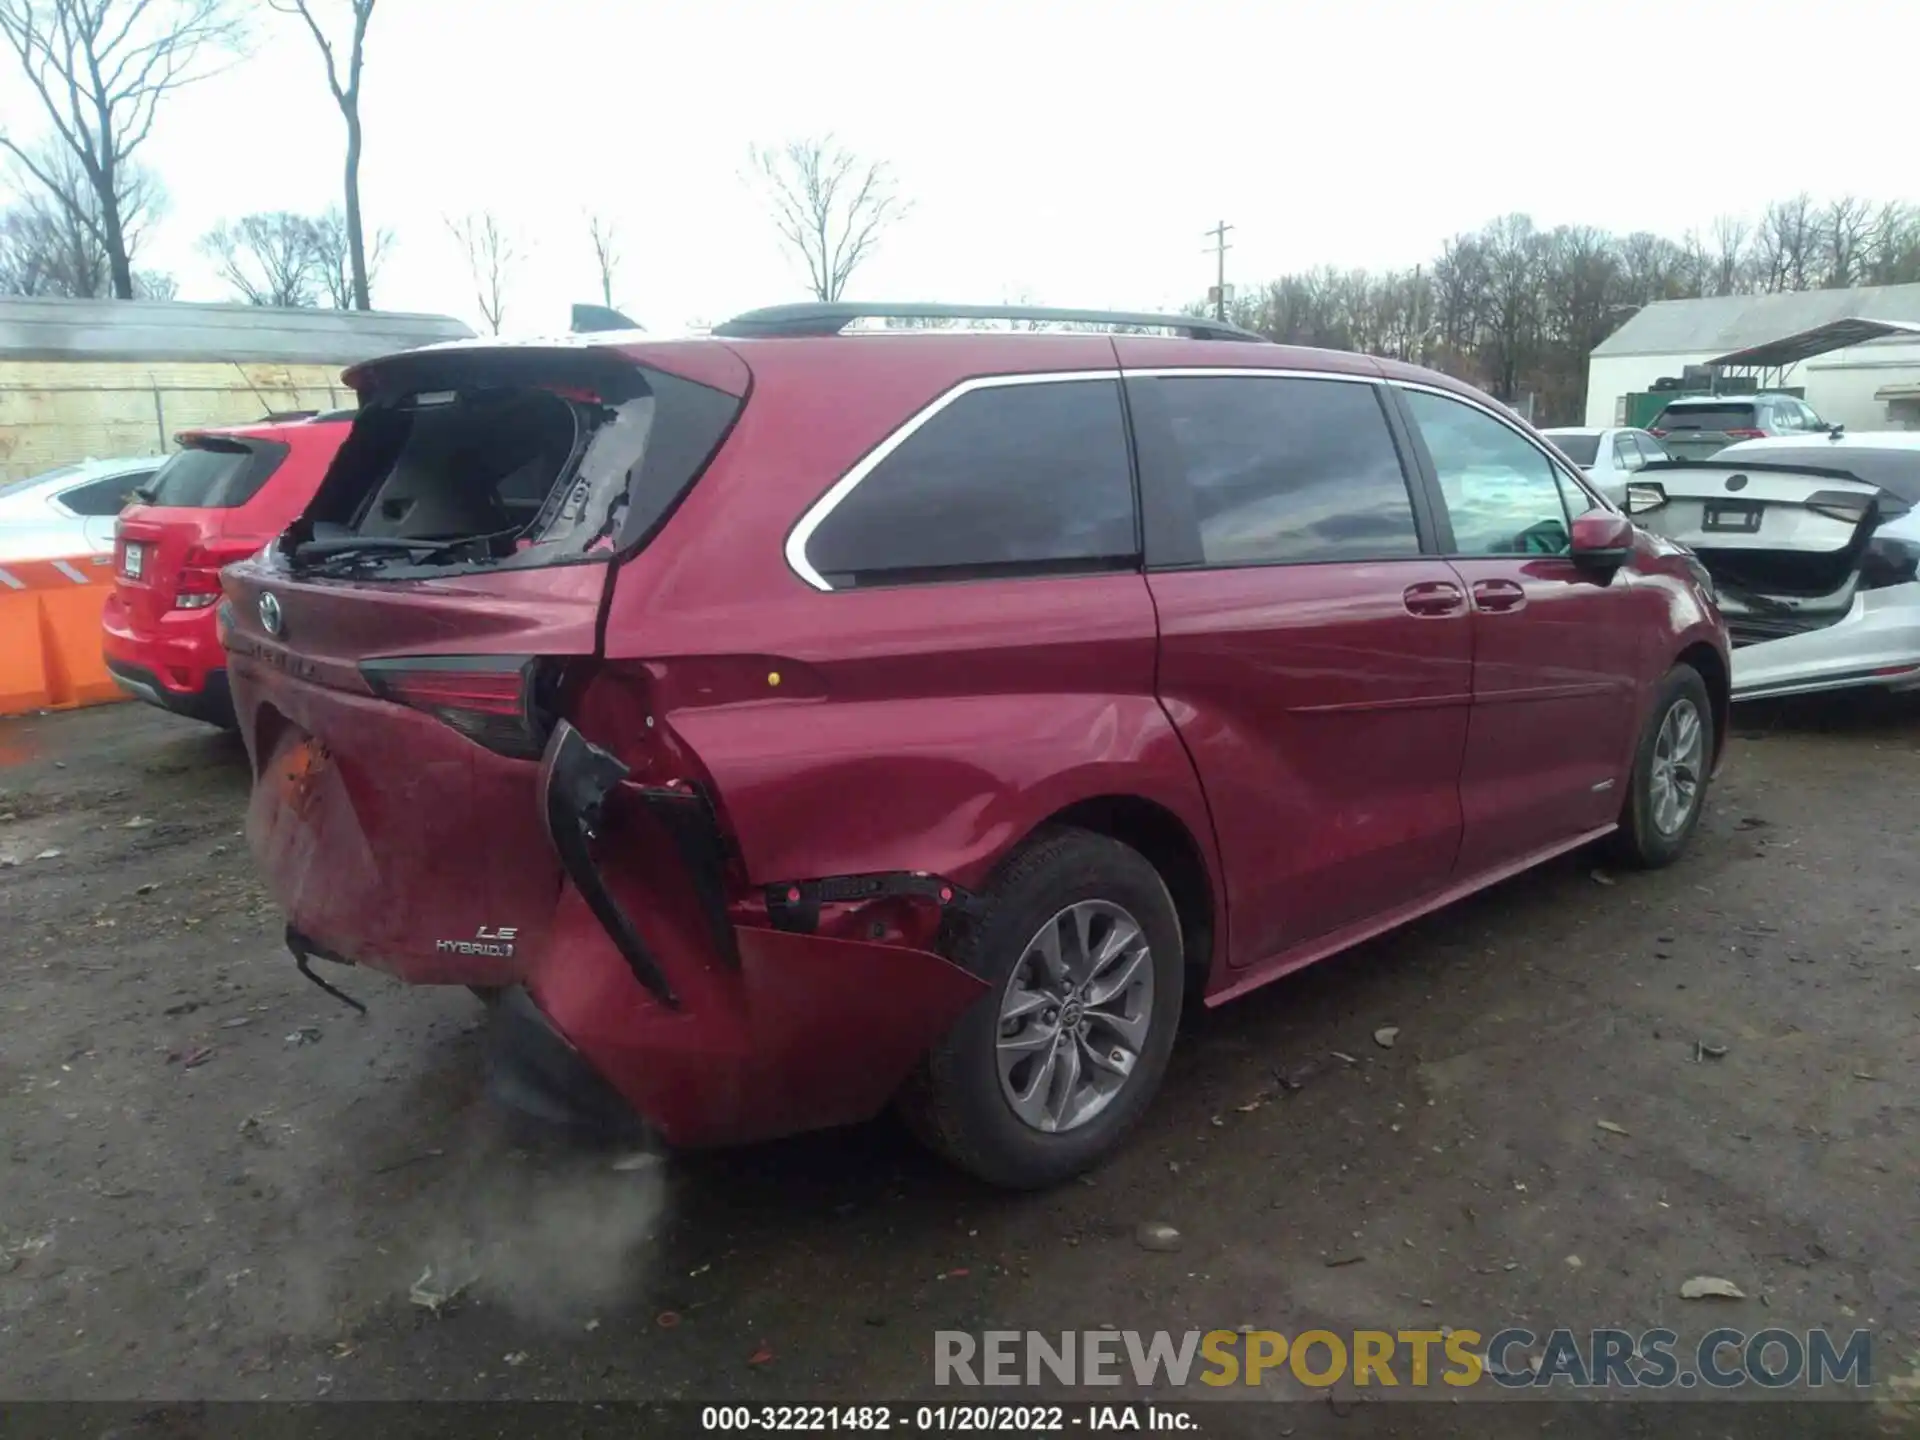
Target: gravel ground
220,1184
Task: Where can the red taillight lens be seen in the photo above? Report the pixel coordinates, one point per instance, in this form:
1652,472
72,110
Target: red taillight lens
1744,434
198,584
1658,434
487,698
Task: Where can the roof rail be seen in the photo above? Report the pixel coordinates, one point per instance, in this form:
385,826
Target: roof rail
832,317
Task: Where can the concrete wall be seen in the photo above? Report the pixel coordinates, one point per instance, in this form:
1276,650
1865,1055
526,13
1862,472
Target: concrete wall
1839,385
56,412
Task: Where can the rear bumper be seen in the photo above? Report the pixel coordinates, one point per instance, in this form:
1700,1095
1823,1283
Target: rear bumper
1877,643
533,1068
212,702
178,664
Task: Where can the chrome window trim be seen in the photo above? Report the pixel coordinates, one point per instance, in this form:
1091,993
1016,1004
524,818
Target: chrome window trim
820,509
816,514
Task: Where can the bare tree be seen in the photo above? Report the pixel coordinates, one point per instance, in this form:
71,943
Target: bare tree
54,233
490,257
269,259
100,68
1731,269
344,82
1788,244
1845,233
333,257
606,253
829,205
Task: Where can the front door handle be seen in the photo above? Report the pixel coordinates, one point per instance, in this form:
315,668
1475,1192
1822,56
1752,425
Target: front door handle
1497,597
1434,597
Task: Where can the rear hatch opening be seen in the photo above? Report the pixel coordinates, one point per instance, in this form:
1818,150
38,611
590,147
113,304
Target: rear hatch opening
481,476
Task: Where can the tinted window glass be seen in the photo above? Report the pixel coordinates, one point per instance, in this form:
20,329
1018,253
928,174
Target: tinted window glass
1289,470
104,497
1502,493
211,475
1705,417
1007,479
1580,449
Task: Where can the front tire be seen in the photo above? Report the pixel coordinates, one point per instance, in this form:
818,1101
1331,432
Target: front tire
1668,787
1080,944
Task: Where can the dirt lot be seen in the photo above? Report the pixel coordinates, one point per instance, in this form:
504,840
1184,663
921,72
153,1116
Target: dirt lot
219,1183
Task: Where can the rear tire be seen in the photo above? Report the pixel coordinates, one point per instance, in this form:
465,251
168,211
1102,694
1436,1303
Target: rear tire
1046,1072
1668,787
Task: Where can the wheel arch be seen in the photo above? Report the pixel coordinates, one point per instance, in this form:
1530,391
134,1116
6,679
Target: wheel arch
1712,667
1171,848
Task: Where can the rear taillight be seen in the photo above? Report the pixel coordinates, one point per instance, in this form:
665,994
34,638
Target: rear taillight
198,585
1644,495
487,698
1840,505
1658,434
1744,434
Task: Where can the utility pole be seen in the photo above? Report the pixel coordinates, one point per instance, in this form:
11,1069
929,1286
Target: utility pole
1220,248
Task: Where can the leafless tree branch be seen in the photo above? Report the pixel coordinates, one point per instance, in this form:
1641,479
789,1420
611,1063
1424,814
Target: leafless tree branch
829,206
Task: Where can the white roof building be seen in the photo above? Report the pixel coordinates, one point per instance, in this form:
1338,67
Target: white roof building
1871,381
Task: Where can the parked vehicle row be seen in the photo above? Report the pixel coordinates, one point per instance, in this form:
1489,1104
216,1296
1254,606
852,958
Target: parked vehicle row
786,723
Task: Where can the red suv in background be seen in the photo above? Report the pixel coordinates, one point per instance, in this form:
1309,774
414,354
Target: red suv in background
791,721
218,499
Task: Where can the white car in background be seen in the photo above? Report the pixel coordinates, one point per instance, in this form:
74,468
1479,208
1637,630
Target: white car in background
1813,543
1607,457
69,511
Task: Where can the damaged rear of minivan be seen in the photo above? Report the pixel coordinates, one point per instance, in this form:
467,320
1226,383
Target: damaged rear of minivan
1815,567
448,786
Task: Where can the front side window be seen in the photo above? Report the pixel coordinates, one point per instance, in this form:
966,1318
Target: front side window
1502,493
1289,470
1006,480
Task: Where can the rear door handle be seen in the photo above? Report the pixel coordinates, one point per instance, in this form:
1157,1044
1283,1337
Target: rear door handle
1497,597
1434,597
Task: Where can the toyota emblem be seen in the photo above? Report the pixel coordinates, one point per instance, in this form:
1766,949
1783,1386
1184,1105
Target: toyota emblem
270,618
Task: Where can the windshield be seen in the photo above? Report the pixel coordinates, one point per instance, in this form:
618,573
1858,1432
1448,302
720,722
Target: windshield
1580,449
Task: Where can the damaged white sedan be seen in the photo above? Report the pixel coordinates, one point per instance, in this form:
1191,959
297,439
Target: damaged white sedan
1814,548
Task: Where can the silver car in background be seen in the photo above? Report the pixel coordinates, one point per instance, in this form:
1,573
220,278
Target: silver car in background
1813,543
69,511
1698,427
1608,457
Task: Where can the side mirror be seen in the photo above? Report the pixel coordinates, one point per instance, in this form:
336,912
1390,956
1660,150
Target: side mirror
1601,540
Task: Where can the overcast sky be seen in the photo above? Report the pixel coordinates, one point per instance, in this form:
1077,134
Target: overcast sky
1067,150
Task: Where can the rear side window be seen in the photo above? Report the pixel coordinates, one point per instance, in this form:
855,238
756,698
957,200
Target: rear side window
1705,417
1005,480
104,497
216,474
1288,470
1580,449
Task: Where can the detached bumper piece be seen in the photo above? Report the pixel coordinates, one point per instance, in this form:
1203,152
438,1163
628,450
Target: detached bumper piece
532,1068
576,776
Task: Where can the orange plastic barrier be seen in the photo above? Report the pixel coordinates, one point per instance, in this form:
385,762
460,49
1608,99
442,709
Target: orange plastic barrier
50,634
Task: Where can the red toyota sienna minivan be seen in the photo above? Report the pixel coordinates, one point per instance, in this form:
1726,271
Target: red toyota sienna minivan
812,716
